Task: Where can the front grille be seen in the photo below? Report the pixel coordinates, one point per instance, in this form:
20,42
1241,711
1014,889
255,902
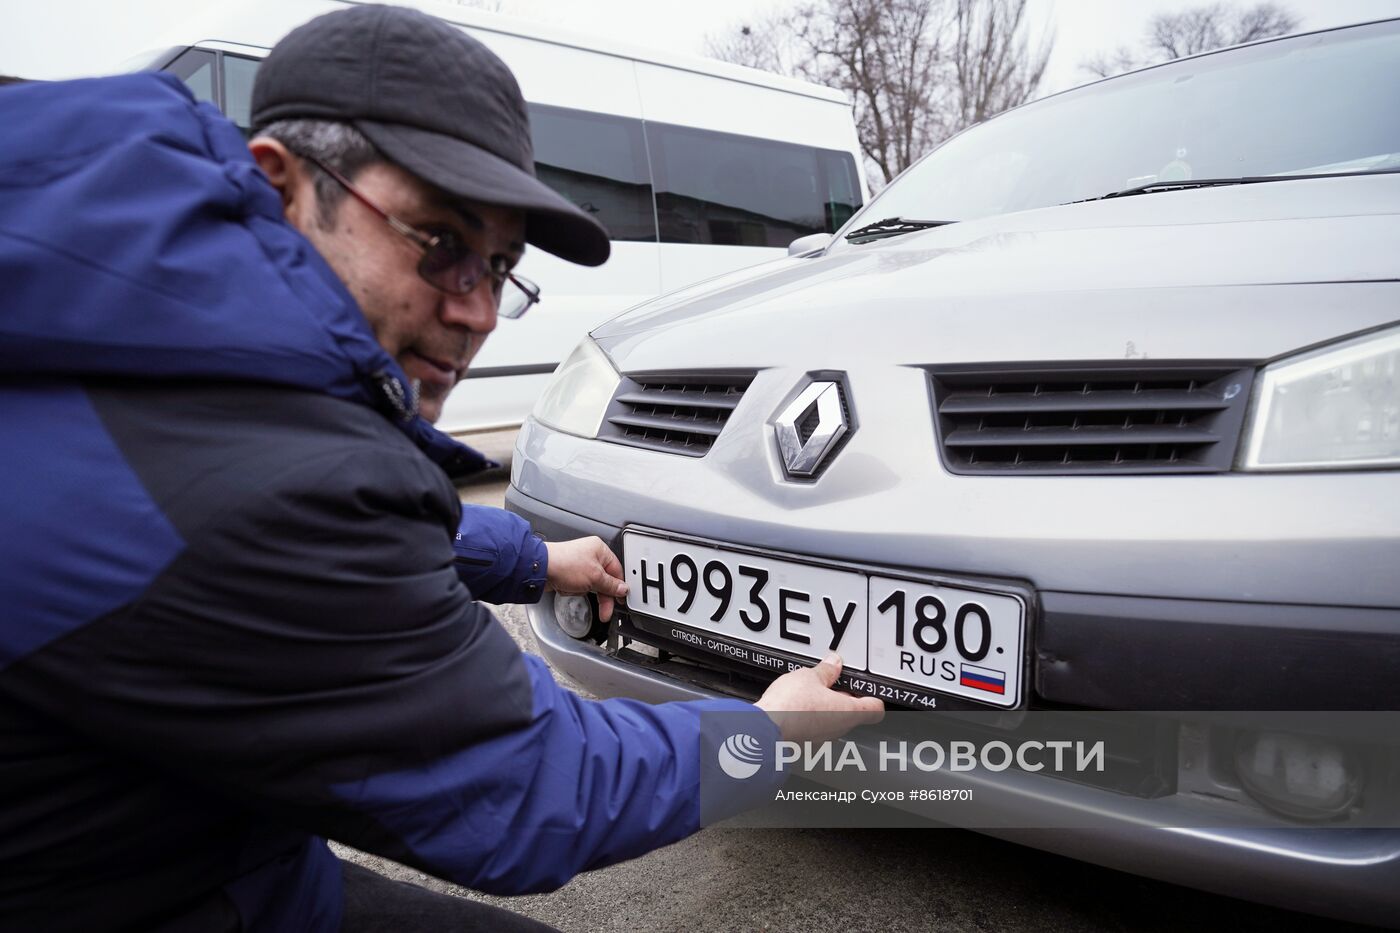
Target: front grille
1140,419
674,412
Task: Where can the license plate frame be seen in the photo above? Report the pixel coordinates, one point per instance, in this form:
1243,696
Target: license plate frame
693,632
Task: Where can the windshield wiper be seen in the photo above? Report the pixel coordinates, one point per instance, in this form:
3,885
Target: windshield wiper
1183,184
892,226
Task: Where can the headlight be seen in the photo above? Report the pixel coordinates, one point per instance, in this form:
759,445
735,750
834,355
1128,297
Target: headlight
1334,408
577,397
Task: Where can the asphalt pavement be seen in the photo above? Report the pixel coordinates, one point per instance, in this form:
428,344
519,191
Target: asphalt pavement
852,880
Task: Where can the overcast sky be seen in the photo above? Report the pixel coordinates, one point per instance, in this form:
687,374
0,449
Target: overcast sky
61,38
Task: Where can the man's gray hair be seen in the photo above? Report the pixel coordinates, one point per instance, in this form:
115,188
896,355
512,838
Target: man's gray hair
337,144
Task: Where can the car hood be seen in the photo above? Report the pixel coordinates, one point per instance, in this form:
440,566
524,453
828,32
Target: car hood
1247,272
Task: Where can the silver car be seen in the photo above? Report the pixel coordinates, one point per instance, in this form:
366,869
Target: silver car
1097,407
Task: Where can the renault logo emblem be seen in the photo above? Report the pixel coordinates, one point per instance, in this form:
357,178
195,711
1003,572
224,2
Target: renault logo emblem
809,428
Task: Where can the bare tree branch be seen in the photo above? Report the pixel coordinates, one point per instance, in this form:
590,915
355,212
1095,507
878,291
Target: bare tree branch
1262,22
1107,64
1199,29
756,45
994,69
1175,35
917,71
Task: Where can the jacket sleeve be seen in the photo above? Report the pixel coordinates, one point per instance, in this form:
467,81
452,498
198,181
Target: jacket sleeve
498,558
313,658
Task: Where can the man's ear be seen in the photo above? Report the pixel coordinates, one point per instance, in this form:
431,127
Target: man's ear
284,170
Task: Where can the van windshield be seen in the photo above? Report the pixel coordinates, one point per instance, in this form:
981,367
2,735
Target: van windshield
1317,104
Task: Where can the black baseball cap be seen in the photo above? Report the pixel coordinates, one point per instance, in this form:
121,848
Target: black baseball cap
433,100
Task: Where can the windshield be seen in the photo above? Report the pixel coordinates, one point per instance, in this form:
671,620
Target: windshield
1322,103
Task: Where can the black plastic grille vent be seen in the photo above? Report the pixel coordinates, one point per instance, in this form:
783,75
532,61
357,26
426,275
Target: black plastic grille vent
674,412
1166,419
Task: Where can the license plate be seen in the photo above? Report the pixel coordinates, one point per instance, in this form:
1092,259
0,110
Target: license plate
948,639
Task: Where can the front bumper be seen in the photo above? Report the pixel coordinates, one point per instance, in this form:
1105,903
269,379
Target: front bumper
1116,652
1082,657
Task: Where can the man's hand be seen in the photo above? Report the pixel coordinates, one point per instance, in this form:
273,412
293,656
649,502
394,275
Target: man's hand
585,565
805,707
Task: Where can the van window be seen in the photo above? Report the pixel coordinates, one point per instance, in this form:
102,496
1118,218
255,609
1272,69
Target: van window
195,67
713,188
841,186
742,191
238,90
599,162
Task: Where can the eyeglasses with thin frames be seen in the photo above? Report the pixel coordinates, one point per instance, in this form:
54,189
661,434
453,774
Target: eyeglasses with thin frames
448,264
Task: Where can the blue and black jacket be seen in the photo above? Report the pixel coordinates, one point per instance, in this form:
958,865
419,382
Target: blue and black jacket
230,624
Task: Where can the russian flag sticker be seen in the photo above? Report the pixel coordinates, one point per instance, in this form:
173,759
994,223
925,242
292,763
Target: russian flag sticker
983,678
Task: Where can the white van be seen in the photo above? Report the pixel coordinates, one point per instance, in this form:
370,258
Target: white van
696,167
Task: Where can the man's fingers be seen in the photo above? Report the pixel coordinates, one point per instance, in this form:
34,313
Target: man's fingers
612,583
605,607
872,709
608,585
609,560
828,669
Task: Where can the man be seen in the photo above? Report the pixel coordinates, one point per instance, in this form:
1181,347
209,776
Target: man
231,623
